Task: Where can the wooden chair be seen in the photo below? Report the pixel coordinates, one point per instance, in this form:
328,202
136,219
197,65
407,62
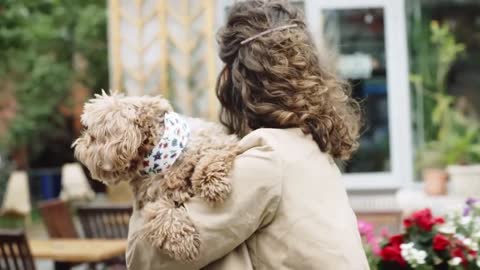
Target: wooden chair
107,222
14,251
59,223
57,219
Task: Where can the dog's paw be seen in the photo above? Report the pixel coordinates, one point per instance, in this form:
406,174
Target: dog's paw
209,178
214,189
170,229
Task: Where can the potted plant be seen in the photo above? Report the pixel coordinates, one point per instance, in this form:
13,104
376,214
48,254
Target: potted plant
458,140
448,139
39,48
432,163
463,158
457,147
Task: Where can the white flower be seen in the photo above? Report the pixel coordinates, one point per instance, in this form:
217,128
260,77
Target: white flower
447,229
420,256
455,261
465,220
474,246
470,244
478,261
406,246
413,256
459,236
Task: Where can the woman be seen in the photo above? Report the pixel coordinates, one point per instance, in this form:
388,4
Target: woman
288,208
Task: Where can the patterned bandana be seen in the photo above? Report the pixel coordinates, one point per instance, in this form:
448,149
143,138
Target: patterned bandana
171,145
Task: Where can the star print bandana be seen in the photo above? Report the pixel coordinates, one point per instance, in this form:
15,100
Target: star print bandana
170,147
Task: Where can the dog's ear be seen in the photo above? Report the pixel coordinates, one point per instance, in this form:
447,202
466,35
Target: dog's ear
123,143
106,158
80,150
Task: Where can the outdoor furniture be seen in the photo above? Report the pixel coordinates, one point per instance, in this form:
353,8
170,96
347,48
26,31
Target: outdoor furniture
70,251
57,219
58,222
14,251
105,222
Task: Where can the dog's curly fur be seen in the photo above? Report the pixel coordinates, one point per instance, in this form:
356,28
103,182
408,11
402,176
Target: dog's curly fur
120,130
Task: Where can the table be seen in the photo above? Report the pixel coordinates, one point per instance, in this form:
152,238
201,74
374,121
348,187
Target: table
67,251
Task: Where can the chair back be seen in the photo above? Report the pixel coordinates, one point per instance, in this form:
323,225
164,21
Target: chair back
107,222
14,251
57,218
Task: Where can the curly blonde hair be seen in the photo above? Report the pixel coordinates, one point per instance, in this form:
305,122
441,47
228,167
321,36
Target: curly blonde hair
277,80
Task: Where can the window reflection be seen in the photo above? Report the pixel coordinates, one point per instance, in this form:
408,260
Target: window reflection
358,36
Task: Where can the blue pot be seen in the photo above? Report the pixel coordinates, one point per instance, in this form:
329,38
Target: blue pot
50,186
45,184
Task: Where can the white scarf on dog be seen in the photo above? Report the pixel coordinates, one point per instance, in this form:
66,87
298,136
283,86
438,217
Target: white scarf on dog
174,140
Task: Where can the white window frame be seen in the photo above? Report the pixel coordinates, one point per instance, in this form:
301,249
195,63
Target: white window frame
400,128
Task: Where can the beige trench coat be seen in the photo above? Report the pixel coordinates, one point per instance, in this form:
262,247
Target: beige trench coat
288,210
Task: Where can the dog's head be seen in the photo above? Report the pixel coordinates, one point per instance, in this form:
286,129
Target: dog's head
119,131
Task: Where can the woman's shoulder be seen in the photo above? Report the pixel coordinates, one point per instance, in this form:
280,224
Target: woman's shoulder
284,145
257,153
258,165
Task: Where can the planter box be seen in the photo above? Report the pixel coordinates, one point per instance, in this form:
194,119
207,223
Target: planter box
465,180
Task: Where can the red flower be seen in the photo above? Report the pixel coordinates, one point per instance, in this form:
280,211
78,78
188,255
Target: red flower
407,223
396,240
458,252
440,242
392,253
472,253
423,219
439,220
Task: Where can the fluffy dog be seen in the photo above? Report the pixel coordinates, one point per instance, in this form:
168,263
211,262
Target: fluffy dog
126,137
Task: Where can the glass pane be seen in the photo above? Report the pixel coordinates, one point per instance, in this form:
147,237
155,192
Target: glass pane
358,37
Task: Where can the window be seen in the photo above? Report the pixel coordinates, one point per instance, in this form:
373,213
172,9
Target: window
369,41
358,35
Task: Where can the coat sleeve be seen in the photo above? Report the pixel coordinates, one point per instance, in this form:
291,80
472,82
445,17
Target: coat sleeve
256,189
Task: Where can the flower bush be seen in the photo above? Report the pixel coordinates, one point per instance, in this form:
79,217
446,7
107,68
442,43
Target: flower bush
370,242
432,243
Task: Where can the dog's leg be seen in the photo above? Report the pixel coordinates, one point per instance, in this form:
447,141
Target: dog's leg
209,178
176,183
169,228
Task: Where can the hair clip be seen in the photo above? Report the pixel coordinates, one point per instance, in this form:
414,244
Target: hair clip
268,32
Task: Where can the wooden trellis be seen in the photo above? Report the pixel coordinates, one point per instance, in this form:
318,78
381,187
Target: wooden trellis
165,47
